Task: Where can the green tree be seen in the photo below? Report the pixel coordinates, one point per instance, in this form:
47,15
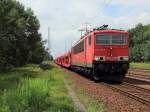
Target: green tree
139,39
20,41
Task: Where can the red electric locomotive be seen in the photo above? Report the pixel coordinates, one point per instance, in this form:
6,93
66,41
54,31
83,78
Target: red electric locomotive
102,54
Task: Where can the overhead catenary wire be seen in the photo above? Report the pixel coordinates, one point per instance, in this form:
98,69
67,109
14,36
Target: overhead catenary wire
91,20
102,8
88,22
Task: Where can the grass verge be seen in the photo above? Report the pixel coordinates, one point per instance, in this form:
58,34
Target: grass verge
90,103
32,89
140,65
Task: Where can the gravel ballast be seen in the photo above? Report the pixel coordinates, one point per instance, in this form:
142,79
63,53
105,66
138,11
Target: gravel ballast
116,101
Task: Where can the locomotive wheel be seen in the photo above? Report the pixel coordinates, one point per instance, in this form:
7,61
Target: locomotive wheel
95,74
96,77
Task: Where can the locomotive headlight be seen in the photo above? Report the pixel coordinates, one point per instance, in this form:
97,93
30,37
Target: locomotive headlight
123,58
96,58
126,58
99,58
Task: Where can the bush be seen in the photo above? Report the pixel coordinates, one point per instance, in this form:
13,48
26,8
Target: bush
45,66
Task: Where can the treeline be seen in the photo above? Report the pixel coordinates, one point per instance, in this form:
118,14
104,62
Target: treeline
139,39
20,41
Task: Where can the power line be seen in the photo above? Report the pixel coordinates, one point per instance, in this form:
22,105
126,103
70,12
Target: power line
105,5
92,19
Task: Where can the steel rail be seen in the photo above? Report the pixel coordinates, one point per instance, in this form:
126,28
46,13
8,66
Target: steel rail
132,94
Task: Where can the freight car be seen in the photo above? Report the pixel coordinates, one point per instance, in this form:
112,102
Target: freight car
101,54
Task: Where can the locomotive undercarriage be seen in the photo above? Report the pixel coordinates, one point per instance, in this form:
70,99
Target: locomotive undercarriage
104,71
110,71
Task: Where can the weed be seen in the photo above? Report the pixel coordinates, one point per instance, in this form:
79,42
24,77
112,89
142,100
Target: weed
35,90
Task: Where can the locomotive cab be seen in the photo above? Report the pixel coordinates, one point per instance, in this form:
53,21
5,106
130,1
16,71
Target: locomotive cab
111,54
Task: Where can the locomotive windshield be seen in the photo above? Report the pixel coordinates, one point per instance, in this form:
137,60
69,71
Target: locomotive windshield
110,39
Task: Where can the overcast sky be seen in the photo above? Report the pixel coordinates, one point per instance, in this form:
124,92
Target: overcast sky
65,17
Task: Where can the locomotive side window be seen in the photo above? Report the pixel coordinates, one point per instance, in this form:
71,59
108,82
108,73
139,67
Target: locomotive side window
89,40
79,47
110,39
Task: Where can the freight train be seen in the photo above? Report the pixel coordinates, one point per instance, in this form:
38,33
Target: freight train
102,54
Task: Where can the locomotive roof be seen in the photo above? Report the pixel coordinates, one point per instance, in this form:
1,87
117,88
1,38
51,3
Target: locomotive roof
100,31
109,31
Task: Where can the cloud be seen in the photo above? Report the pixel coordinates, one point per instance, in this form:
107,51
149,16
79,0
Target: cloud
125,22
65,17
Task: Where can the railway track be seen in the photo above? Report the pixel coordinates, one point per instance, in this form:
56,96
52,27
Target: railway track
139,73
135,92
143,78
138,93
140,70
123,102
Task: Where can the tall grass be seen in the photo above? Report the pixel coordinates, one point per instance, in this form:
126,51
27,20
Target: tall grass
30,96
39,91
